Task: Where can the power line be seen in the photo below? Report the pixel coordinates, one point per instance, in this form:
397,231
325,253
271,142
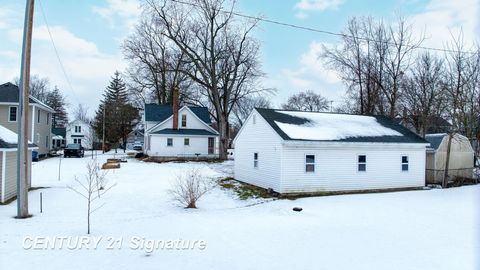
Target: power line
55,49
315,30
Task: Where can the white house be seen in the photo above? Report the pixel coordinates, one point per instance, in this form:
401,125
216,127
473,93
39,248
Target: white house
79,132
305,152
175,132
8,164
461,157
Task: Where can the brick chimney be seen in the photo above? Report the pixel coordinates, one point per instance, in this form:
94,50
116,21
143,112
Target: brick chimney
175,108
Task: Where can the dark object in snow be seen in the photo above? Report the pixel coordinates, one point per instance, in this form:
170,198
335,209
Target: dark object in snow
297,209
74,150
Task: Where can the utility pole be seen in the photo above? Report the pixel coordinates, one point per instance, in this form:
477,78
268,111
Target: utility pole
22,146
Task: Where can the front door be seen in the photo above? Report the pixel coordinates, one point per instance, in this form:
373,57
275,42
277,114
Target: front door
211,145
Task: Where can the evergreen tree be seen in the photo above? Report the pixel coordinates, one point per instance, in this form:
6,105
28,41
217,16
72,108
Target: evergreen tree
118,113
56,101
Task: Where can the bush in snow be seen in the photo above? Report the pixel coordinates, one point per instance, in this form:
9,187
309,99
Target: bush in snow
91,187
189,187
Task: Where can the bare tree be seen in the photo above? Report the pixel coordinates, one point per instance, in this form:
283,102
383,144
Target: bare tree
189,187
220,50
91,188
372,60
81,113
245,106
155,64
306,101
423,94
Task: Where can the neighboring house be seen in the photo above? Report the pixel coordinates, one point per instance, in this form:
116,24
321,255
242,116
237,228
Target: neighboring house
436,124
58,137
136,136
80,132
184,132
461,160
8,161
306,152
41,126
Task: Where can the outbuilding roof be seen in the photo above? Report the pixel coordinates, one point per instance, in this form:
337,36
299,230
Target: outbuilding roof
9,139
435,139
160,113
185,131
316,126
9,93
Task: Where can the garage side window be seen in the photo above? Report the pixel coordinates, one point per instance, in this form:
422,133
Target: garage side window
255,160
404,163
169,142
310,163
362,163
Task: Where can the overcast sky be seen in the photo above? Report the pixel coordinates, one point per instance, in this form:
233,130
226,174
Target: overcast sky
88,35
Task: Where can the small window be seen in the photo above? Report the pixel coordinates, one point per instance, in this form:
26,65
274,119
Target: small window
362,163
38,116
310,163
169,142
46,141
404,163
12,117
186,141
78,129
184,120
255,160
48,118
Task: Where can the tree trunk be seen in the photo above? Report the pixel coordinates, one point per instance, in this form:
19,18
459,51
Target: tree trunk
223,130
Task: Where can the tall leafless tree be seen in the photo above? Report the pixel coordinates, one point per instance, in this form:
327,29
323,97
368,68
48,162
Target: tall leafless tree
306,101
245,106
219,47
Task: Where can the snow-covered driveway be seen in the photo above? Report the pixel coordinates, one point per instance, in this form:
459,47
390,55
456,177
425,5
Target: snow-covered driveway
434,229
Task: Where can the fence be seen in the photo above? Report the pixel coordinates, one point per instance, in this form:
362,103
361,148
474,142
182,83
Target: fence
455,177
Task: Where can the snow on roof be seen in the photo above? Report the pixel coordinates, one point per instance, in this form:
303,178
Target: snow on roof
328,127
8,136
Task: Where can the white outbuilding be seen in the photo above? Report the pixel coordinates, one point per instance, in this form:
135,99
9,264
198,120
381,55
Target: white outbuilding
306,152
461,161
8,164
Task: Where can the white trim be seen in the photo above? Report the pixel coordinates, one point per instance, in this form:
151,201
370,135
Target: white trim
33,124
314,163
4,165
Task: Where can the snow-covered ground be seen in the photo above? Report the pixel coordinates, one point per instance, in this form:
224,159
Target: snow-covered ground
431,229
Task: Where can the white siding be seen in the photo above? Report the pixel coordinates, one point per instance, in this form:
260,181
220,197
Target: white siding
85,132
10,181
336,167
159,148
258,138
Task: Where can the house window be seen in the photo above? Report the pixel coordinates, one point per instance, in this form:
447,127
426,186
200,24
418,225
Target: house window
78,129
38,116
310,163
186,141
48,118
404,163
362,163
46,141
12,116
169,142
79,141
255,160
184,120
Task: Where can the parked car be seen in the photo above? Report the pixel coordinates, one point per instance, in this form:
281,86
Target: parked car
138,146
74,150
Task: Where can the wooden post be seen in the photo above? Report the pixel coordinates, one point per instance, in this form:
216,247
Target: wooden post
23,124
447,161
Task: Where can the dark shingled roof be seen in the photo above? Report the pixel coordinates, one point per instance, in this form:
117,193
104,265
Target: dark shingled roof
9,93
184,131
59,131
408,136
435,139
159,113
4,144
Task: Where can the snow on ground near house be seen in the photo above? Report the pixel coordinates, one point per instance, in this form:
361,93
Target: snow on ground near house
431,229
329,126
